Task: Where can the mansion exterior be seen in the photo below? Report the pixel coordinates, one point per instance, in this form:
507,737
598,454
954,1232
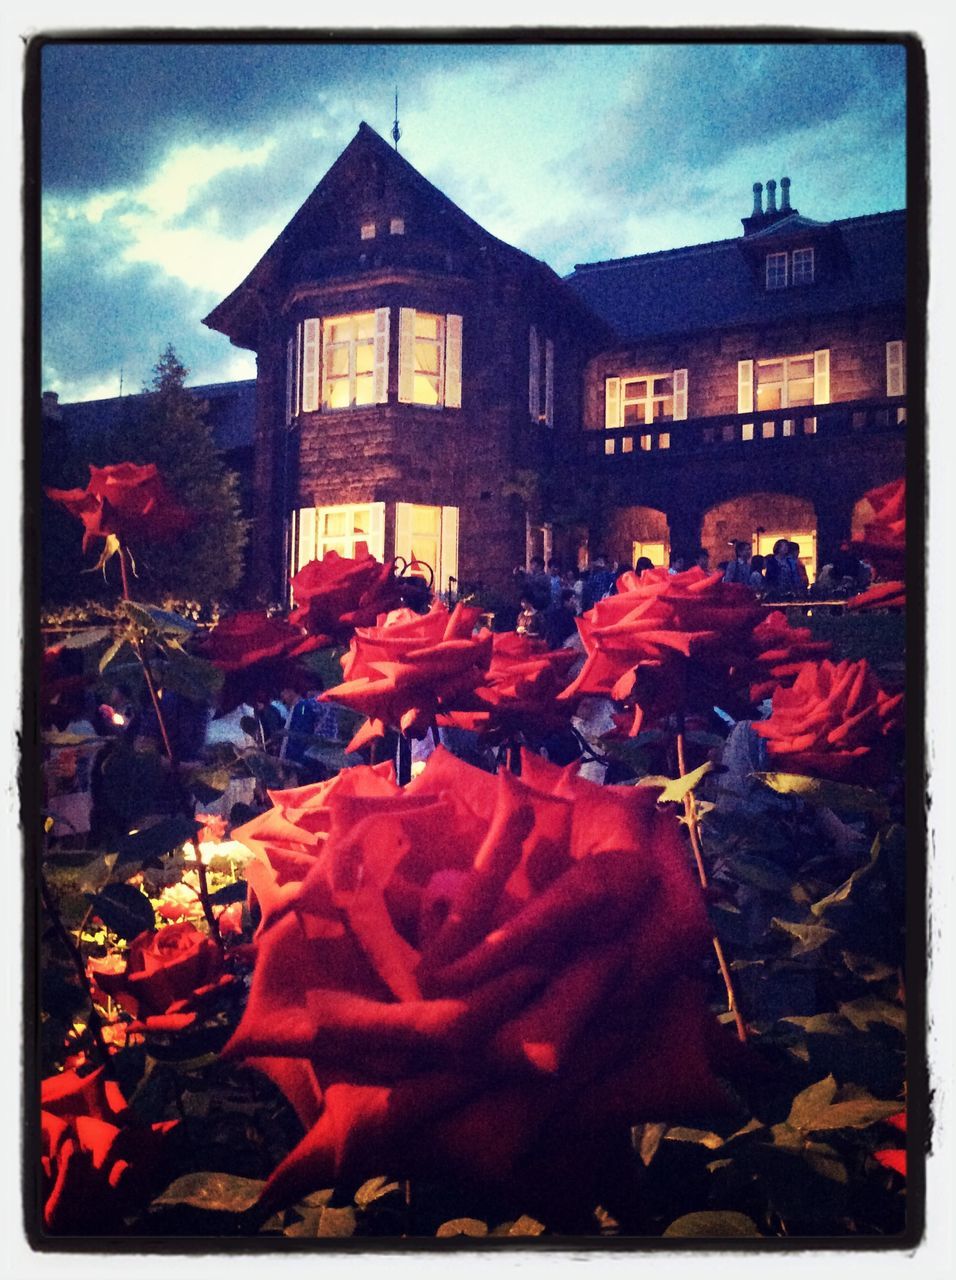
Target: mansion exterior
435,394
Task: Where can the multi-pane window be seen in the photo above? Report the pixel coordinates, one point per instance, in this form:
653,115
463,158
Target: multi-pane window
429,536
776,271
801,266
351,531
429,359
349,361
784,383
540,377
648,399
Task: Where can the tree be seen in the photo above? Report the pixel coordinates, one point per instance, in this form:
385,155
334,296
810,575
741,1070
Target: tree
165,425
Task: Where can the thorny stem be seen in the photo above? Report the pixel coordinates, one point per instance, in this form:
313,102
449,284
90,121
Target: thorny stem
76,956
693,828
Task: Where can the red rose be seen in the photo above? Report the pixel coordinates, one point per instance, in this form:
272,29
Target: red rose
518,694
171,975
884,534
97,1164
335,595
400,674
833,723
259,656
666,642
894,1157
882,595
463,975
779,653
126,500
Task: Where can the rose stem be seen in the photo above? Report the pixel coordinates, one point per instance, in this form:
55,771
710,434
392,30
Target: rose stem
404,760
76,956
690,813
174,765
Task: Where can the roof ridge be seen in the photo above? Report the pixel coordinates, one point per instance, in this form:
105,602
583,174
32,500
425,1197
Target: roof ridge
712,244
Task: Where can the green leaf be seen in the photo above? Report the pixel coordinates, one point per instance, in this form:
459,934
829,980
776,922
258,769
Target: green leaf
233,892
703,1136
124,909
819,1023
157,621
646,1139
193,678
225,1192
673,790
868,1009
112,651
337,1222
809,937
815,1109
86,639
374,1189
462,1227
523,1226
820,791
759,872
713,1223
811,1102
151,842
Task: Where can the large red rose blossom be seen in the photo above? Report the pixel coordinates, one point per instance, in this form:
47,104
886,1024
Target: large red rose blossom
172,975
884,535
97,1163
127,500
834,722
518,694
259,656
402,672
335,595
471,973
778,653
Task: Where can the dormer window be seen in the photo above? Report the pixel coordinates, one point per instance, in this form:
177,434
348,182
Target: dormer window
368,231
792,268
397,227
776,270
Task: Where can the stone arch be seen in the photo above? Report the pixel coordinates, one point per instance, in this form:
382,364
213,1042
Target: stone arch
761,518
636,531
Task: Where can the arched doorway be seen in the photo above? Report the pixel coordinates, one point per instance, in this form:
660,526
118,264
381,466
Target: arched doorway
761,518
638,531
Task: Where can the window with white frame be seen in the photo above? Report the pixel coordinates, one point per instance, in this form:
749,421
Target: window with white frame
896,368
351,530
428,535
801,266
429,359
540,377
348,364
789,268
784,383
646,398
777,270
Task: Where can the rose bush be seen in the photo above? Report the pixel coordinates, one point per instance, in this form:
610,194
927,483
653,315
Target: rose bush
171,976
403,672
335,595
834,722
259,655
96,1162
468,973
129,501
884,533
518,694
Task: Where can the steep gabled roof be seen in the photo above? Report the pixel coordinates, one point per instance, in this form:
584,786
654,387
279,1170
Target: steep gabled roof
715,286
231,411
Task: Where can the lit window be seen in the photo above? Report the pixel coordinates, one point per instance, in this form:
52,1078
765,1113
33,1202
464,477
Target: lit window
349,530
768,431
627,444
429,348
747,431
428,535
664,440
397,227
784,383
368,230
776,271
656,552
801,266
609,445
645,443
348,365
648,399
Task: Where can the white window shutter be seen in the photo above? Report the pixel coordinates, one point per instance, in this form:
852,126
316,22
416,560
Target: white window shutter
380,376
534,374
297,373
406,354
403,530
745,386
452,362
549,382
821,376
292,533
680,395
376,533
896,368
613,412
289,379
448,553
305,527
310,366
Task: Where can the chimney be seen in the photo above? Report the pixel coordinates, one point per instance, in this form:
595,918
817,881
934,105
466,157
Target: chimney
771,198
758,200
51,405
784,195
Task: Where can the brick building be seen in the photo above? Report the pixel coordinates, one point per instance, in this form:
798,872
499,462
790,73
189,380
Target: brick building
431,392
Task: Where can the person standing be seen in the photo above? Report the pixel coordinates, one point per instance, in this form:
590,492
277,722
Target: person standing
738,569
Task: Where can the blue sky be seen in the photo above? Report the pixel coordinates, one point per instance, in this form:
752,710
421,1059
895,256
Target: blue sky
168,169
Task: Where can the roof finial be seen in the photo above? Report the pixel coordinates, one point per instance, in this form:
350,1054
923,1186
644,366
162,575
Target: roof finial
396,131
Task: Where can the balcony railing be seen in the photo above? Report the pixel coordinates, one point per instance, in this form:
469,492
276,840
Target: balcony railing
762,429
